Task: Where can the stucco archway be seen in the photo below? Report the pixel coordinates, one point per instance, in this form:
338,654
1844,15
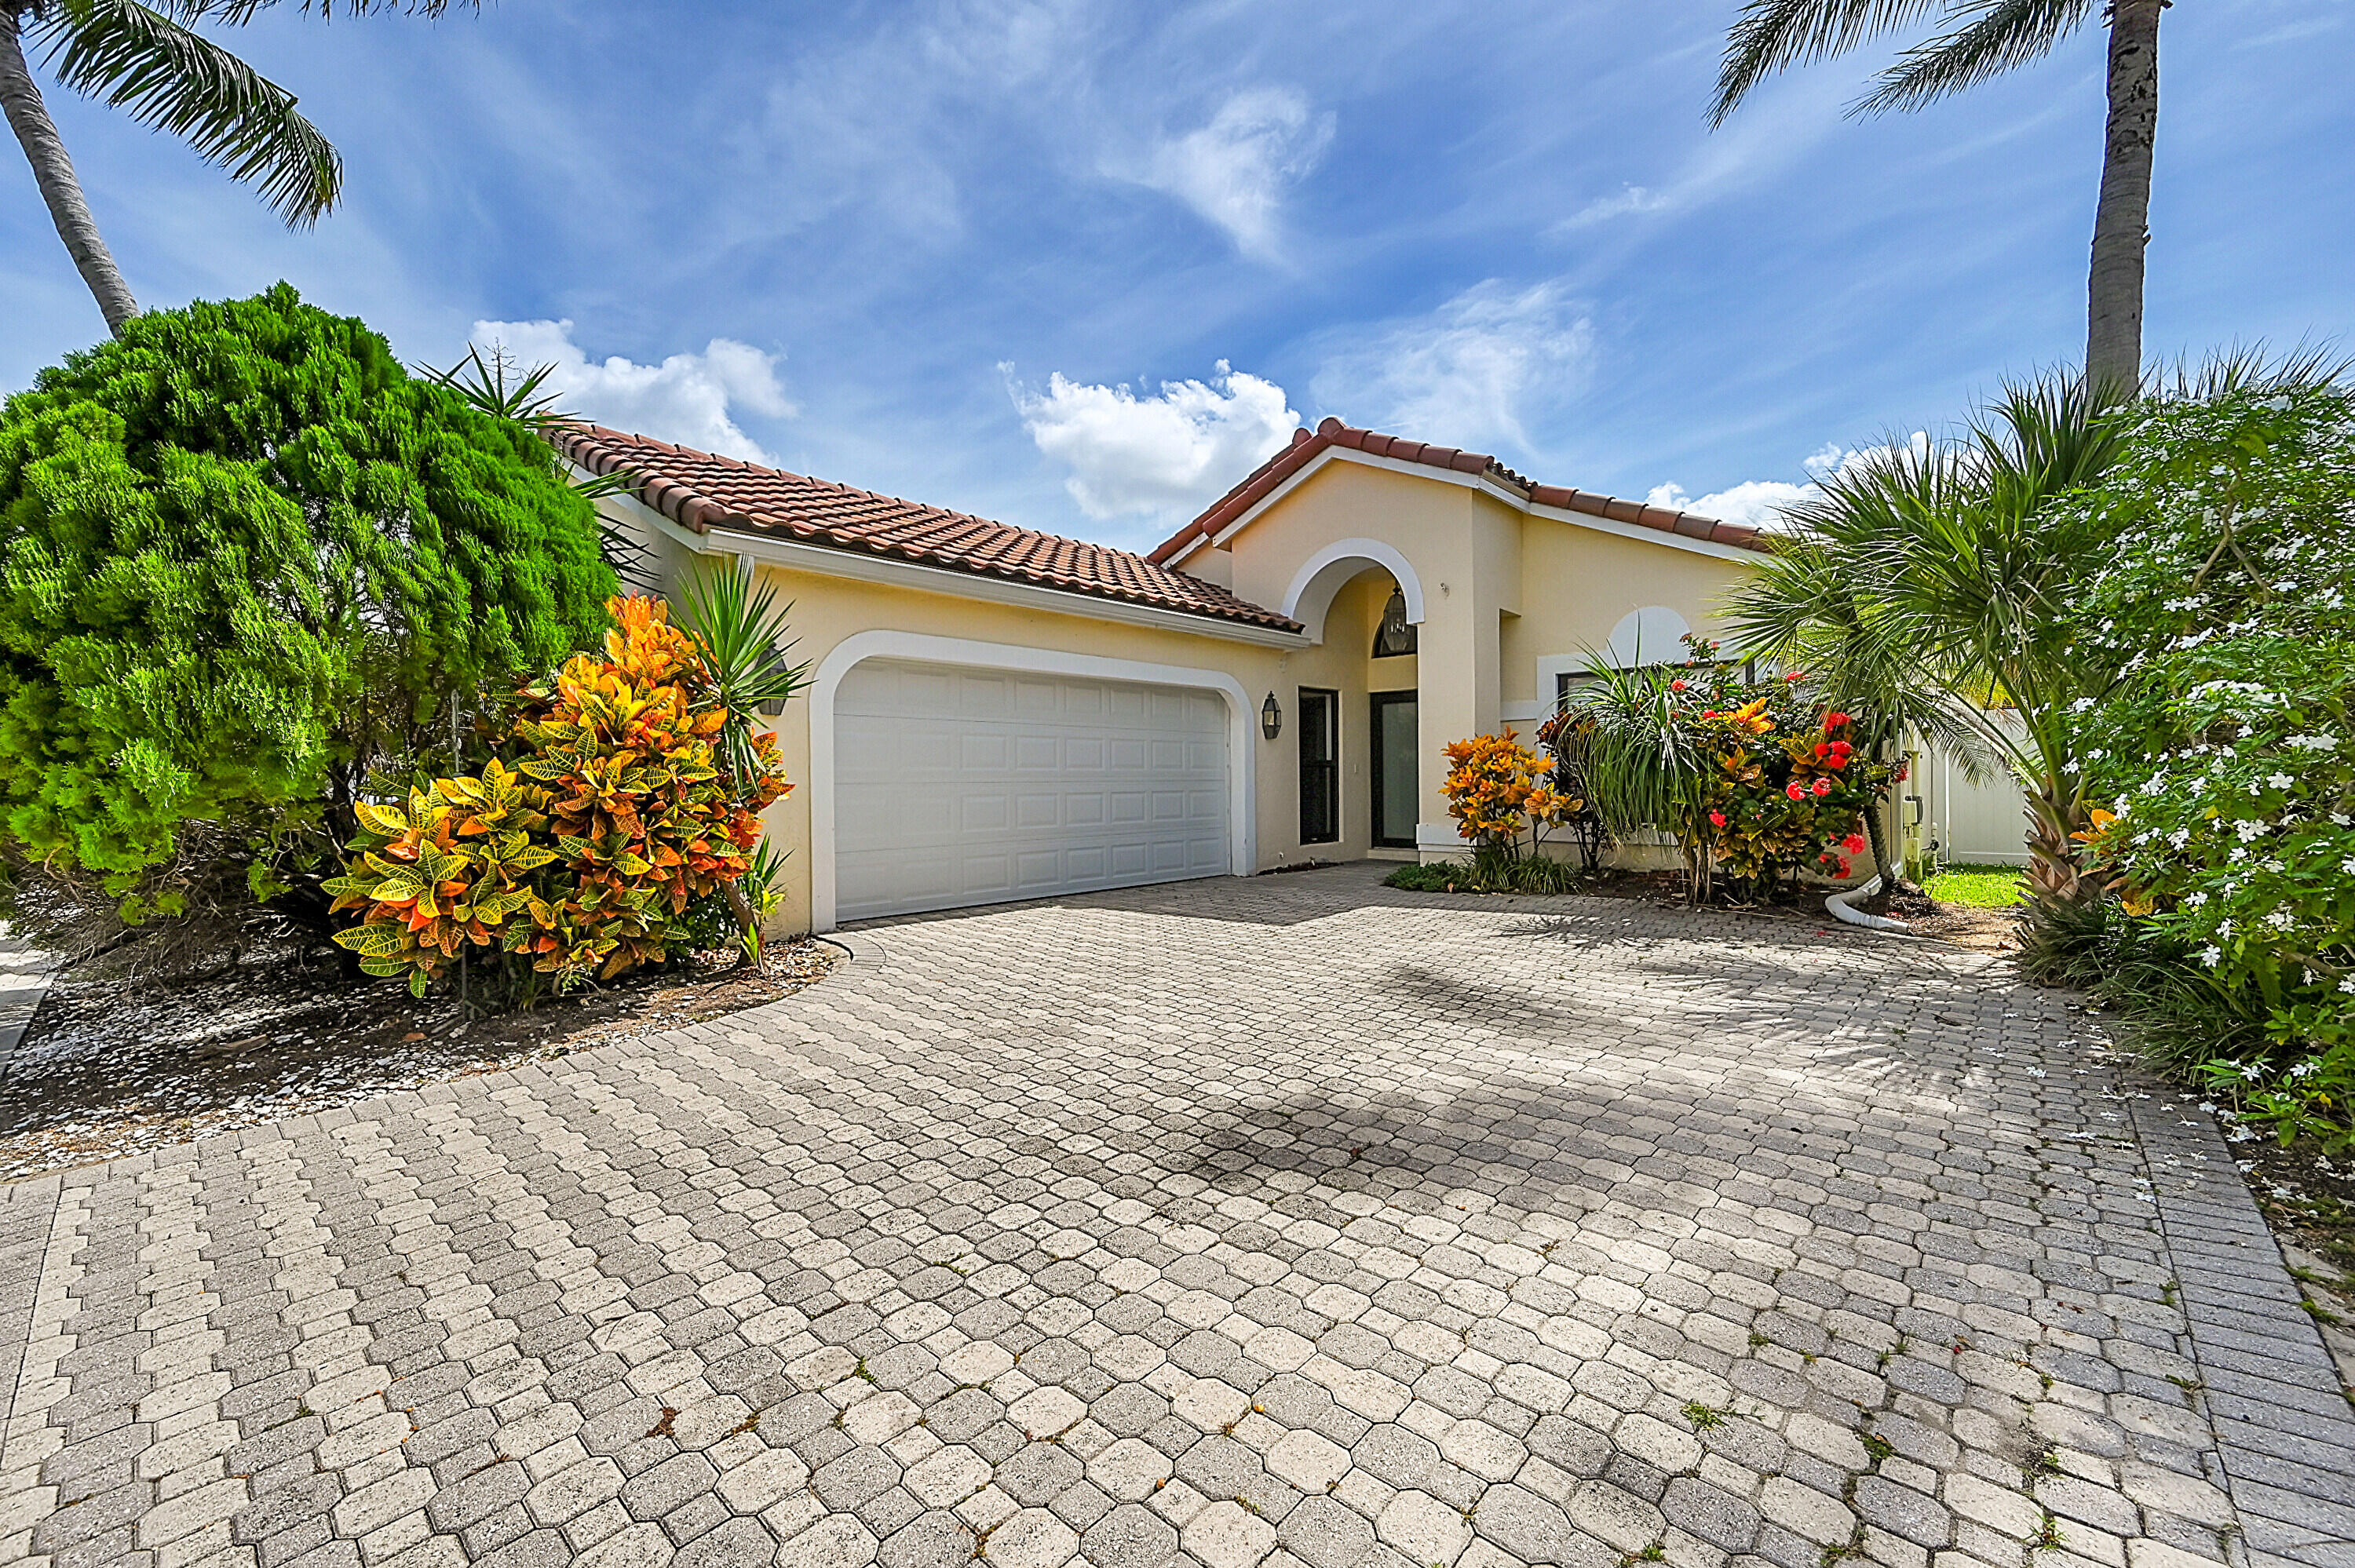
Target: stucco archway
1321,576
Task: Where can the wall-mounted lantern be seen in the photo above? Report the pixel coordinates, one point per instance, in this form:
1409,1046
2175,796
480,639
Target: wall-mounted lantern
1271,717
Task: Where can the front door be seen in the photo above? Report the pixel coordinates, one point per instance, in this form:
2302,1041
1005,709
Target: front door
1396,750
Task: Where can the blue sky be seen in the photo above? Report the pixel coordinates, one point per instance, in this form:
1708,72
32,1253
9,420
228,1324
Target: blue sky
1080,264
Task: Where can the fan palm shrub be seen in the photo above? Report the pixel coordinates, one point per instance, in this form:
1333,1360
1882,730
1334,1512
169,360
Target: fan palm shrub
1931,584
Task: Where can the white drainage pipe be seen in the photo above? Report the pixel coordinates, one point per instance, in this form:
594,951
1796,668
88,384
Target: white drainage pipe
1838,905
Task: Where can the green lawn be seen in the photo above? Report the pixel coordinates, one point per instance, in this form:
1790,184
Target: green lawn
1979,887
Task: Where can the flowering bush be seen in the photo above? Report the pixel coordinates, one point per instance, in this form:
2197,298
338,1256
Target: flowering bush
581,852
1497,789
1756,779
2225,751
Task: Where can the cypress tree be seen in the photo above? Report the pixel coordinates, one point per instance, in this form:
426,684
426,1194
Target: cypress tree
246,561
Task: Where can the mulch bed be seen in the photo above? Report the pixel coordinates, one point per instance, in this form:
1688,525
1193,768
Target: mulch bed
112,1066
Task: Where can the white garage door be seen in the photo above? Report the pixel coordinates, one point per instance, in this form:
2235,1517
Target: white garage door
956,786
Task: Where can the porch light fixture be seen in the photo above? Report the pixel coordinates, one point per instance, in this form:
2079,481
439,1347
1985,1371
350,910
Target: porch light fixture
1271,717
1395,636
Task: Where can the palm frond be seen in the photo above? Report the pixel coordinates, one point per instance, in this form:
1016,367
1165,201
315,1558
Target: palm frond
173,79
1775,35
1995,36
238,13
2248,368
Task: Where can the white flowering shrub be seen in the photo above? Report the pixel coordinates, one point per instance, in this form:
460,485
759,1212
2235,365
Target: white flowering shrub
2225,751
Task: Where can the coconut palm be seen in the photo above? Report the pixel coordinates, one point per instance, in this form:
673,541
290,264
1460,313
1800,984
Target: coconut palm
151,62
1928,584
1971,41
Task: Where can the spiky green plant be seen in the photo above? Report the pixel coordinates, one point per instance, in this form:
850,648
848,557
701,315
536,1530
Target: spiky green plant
741,630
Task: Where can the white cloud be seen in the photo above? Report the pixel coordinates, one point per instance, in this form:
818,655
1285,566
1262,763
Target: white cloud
1760,503
689,398
1167,455
1234,171
1473,372
1632,199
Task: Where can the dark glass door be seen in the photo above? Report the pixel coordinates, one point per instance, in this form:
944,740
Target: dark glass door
1320,766
1396,793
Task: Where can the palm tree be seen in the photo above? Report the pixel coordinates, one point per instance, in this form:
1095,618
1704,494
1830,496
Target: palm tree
150,62
1930,583
1975,39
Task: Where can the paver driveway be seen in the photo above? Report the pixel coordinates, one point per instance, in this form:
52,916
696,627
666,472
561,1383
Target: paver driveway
1286,1220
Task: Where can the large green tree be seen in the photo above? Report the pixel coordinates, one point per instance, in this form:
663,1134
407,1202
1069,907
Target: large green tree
247,560
1970,41
151,61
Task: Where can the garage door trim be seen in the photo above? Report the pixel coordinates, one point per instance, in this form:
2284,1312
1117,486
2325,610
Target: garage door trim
858,648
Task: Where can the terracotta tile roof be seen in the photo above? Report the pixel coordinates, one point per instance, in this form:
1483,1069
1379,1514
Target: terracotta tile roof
1307,444
701,492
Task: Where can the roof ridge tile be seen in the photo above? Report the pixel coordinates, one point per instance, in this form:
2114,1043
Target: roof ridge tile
1305,446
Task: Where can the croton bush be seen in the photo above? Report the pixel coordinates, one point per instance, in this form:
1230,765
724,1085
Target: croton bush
1499,790
2225,753
608,814
1757,779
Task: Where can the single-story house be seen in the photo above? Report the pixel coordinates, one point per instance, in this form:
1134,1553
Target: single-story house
997,713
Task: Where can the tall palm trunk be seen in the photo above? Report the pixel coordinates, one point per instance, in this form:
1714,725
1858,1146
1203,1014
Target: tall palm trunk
2122,221
54,172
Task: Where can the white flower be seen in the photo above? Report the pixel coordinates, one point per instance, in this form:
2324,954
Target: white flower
2305,1069
2251,1072
2280,780
2196,900
2279,919
2348,985
2211,956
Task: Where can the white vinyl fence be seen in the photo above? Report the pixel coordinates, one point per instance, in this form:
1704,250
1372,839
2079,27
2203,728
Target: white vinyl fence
1944,817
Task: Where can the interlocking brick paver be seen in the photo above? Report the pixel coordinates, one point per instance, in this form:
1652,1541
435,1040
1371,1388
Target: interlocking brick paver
1292,1222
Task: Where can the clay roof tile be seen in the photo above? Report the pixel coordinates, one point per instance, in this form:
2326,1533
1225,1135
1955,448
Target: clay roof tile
1331,432
702,490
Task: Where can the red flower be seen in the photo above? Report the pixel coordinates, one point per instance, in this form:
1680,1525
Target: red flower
1712,713
1854,843
1823,786
1717,819
1835,719
1902,770
1796,676
1836,762
1846,870
1797,790
1676,685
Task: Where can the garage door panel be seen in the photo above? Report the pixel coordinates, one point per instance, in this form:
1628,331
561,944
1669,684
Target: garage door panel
964,786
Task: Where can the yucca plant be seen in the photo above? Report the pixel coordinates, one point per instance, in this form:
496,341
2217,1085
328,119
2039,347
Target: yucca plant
739,629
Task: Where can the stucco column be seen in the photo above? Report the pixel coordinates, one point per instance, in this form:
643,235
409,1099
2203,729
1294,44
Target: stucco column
1460,668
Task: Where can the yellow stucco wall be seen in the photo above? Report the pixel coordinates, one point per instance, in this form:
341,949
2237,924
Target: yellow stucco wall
1500,590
